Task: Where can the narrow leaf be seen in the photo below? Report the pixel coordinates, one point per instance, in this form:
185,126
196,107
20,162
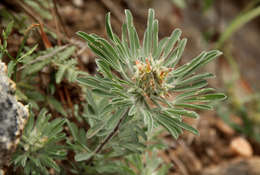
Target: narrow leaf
108,27
171,42
194,86
187,113
83,156
95,129
186,127
194,106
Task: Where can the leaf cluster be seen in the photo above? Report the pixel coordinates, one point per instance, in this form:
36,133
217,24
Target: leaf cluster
40,144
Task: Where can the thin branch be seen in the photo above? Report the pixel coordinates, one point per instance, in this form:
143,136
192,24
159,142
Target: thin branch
110,136
56,25
60,19
30,12
42,6
42,57
99,148
69,102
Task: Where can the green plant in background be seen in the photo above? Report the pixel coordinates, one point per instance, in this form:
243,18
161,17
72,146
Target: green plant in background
38,146
243,104
41,7
28,63
206,4
62,67
179,3
249,113
245,108
250,12
139,89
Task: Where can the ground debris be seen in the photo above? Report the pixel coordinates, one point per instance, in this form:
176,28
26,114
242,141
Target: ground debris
236,167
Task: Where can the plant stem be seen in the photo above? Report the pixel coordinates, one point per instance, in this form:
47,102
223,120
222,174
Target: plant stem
109,137
60,18
237,23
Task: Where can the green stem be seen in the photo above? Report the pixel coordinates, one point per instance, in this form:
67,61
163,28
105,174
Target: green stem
237,23
233,64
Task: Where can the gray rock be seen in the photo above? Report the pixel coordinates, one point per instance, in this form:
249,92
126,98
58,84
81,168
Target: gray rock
13,116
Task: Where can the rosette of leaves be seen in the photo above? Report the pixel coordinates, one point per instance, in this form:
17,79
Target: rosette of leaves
39,146
145,79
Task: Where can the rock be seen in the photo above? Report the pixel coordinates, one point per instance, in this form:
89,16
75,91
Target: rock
243,166
241,147
13,116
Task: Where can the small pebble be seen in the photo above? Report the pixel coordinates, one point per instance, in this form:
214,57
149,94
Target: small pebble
241,147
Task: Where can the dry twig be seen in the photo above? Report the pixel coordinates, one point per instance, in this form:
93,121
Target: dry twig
60,19
42,57
31,13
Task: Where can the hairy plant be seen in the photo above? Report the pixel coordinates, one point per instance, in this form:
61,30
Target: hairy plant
144,80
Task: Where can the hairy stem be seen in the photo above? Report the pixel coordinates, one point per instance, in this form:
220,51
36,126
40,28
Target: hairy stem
110,136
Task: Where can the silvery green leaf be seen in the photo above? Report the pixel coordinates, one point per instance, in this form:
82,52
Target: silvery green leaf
155,36
195,78
171,42
191,87
148,120
186,126
194,106
168,125
83,156
207,98
10,68
183,112
108,27
27,53
55,104
95,129
60,73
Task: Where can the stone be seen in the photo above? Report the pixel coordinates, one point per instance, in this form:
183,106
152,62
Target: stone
241,147
13,116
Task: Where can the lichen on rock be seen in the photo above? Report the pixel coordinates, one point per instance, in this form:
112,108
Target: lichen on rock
13,116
